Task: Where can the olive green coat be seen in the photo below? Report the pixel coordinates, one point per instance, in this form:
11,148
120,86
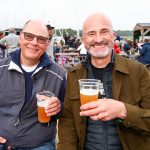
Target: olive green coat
131,85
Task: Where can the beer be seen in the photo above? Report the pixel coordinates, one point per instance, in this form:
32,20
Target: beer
42,116
42,102
88,95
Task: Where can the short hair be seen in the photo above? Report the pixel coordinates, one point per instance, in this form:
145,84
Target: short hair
49,27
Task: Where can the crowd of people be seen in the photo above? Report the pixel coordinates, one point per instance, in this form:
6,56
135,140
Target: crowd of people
10,43
118,120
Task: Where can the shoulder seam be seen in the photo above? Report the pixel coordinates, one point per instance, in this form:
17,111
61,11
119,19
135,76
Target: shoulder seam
55,74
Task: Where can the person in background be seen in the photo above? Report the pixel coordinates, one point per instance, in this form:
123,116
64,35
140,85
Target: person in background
117,47
50,48
137,45
127,46
28,71
2,47
1,34
145,53
10,41
120,118
66,38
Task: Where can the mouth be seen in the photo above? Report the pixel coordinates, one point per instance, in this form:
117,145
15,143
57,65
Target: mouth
100,45
33,49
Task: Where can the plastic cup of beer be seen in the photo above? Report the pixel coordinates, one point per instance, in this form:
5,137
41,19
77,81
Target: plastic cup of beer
89,90
42,100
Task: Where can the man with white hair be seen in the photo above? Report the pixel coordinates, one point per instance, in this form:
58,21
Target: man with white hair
120,118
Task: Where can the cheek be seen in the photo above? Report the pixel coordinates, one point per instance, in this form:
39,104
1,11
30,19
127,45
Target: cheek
42,47
87,41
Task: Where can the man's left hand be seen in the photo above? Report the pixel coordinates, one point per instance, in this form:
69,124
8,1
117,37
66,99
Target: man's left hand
104,109
53,107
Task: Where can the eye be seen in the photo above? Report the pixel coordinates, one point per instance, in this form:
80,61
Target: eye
104,31
28,36
42,39
91,33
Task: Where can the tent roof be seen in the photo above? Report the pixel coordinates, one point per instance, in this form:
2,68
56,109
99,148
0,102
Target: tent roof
141,25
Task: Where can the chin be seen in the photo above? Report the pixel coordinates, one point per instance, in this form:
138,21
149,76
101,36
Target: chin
100,54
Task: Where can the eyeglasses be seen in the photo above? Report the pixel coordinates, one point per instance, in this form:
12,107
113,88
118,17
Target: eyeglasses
30,37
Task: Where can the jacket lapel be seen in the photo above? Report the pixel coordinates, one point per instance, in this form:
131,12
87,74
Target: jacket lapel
120,71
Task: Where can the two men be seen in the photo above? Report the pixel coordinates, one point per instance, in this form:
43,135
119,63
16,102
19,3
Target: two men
28,71
119,120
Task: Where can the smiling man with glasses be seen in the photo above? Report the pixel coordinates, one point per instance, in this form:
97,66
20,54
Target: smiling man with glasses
28,71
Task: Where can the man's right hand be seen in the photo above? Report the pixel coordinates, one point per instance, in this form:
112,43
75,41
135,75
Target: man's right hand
2,140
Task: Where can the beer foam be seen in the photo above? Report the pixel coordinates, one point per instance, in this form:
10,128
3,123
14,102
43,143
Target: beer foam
89,91
42,103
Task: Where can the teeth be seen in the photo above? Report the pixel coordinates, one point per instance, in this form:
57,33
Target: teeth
99,46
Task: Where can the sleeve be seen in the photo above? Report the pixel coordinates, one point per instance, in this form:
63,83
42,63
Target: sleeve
138,116
142,51
68,138
61,96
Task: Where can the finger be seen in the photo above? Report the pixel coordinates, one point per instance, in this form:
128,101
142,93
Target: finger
94,117
51,110
102,115
9,148
90,112
90,105
52,100
54,112
2,140
50,106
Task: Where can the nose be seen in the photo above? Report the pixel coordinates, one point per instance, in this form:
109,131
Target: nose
34,41
98,37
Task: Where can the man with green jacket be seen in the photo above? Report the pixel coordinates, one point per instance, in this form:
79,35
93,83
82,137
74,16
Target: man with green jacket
118,120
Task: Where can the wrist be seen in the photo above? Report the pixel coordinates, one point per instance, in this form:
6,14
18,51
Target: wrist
123,112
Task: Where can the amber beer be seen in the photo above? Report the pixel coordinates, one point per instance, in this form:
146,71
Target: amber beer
89,90
42,100
87,96
42,117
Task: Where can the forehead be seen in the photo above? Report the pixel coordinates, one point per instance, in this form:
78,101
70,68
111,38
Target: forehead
36,27
97,23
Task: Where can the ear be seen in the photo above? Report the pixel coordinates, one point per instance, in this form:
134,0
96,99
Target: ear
47,43
20,37
114,36
82,39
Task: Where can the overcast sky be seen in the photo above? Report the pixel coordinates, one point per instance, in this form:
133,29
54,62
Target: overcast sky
125,14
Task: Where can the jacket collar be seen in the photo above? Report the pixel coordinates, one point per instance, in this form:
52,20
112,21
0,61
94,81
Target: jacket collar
15,61
119,62
88,59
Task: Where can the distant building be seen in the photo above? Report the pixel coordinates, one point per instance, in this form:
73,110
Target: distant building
141,31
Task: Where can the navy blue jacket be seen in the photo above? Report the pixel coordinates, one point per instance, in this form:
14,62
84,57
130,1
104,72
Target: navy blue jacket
145,54
19,121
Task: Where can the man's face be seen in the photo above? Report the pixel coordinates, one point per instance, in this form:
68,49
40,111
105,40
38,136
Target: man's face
98,38
32,50
50,32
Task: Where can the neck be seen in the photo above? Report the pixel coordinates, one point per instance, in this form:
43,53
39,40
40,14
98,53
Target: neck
29,63
100,62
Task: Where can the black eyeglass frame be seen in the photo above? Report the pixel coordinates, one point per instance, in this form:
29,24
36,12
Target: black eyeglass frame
32,36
